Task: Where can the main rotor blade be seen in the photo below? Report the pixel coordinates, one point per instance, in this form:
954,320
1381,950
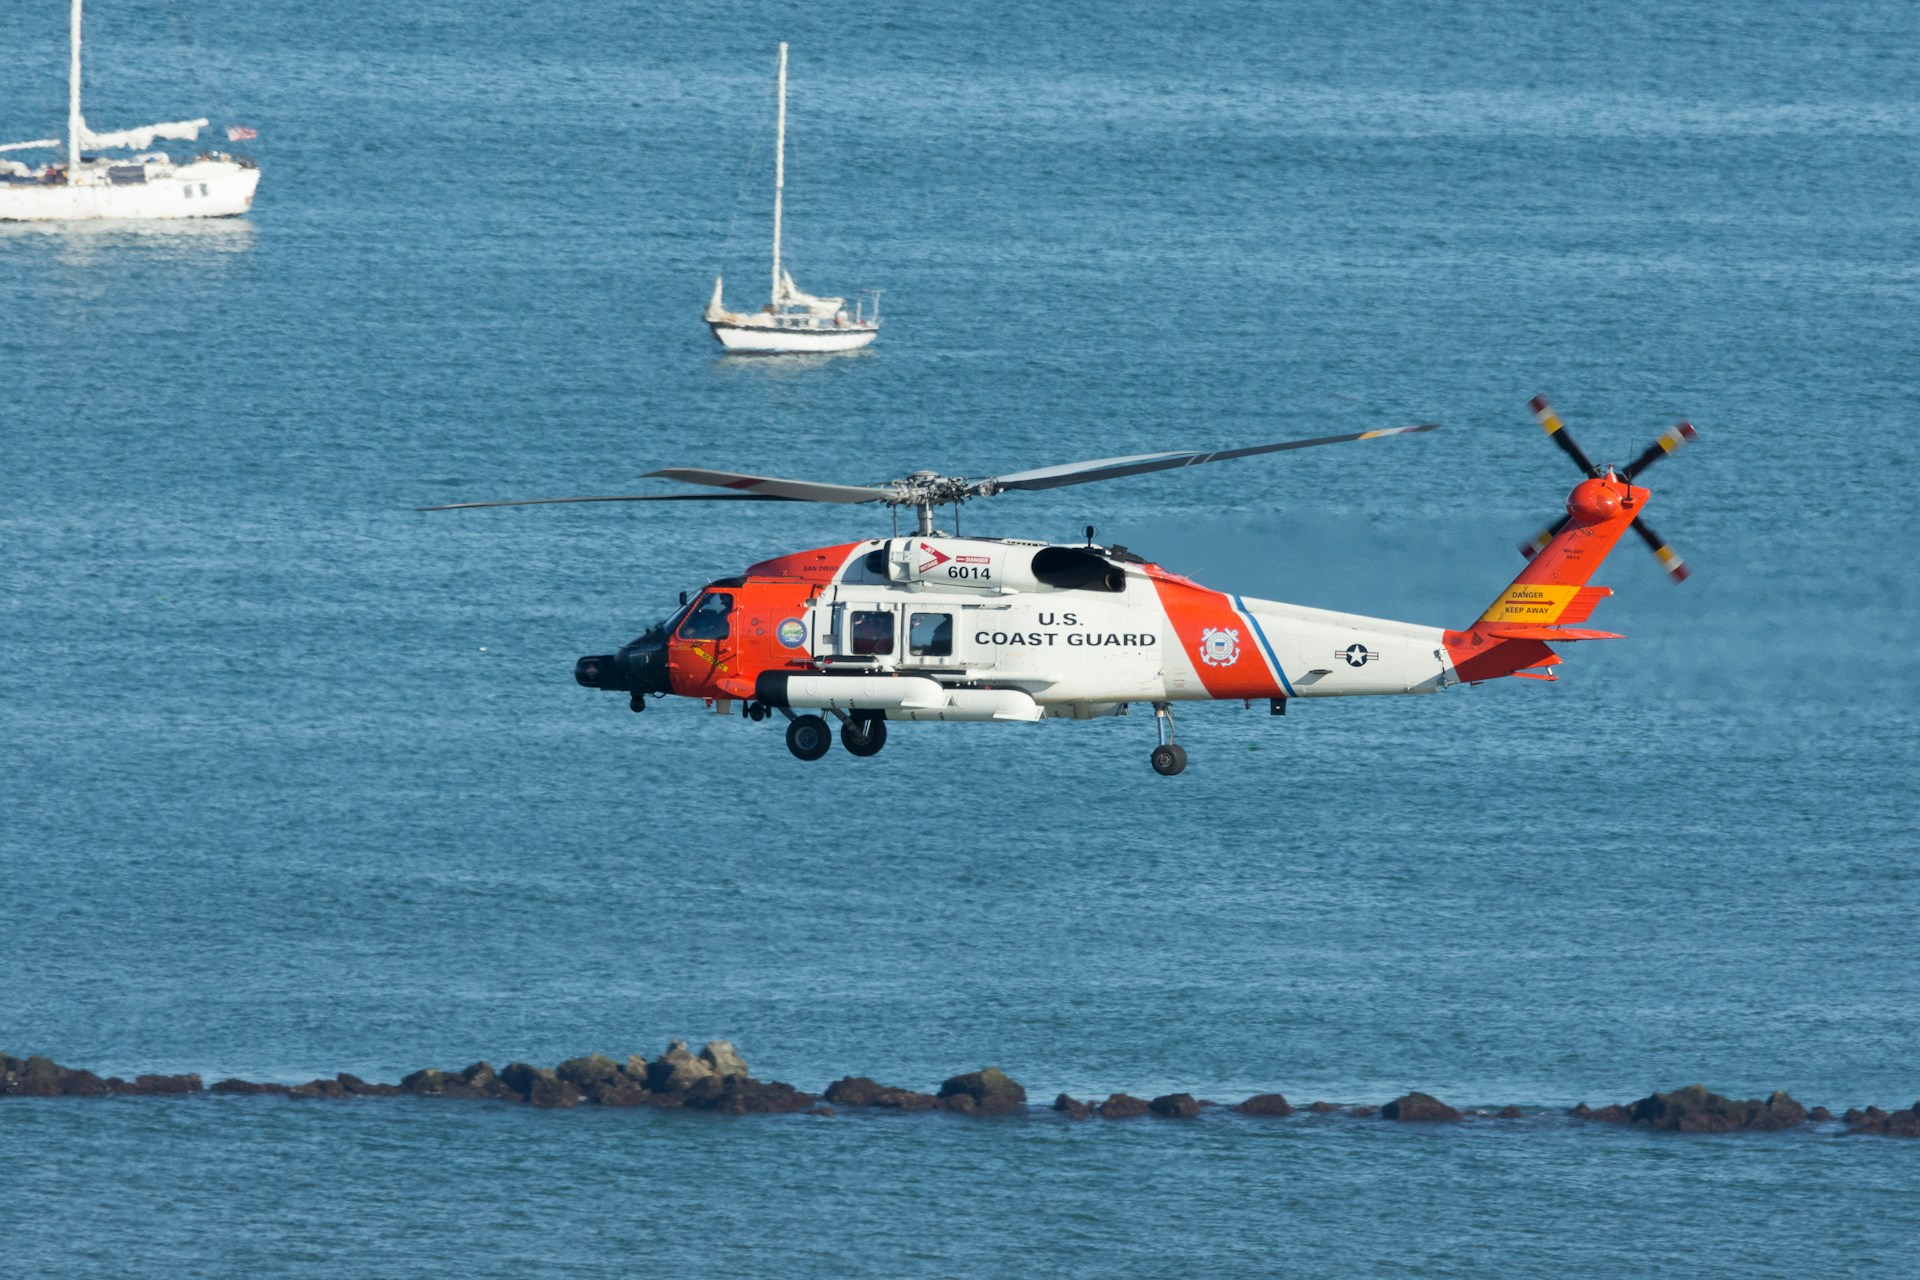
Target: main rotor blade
624,497
1538,542
1137,464
1557,432
1672,439
768,486
1669,558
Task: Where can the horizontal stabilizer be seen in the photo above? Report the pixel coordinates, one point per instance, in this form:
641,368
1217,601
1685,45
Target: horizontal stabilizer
1580,608
1549,634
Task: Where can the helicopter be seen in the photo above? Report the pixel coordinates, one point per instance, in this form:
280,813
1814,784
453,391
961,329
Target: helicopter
932,626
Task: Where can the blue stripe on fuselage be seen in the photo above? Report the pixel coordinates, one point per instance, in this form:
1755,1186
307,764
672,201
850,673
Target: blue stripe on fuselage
1261,636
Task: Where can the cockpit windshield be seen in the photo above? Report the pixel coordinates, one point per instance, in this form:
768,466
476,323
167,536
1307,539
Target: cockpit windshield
661,630
710,619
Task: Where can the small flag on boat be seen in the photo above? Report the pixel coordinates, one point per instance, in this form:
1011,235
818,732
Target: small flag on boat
240,133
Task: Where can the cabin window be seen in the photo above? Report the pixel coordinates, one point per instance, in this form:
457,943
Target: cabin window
203,188
186,190
871,632
710,618
930,635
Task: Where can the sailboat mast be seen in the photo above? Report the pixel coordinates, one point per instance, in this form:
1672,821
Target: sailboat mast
74,123
779,160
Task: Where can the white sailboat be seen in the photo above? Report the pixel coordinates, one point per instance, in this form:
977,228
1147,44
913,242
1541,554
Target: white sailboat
147,185
791,321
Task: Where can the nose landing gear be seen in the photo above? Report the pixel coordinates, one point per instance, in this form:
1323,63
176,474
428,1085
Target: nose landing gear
1169,757
808,737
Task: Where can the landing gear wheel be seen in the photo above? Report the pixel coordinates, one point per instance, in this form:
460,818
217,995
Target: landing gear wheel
638,702
756,712
808,737
1169,758
864,737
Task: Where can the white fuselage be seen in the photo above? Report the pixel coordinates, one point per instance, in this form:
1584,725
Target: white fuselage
1136,634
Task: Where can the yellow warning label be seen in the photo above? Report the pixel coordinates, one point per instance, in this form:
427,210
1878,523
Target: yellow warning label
1536,603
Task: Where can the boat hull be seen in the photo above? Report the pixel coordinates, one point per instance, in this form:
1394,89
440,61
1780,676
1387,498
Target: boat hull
766,340
213,189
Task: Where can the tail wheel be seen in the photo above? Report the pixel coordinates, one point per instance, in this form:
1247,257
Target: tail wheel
1168,759
808,737
864,737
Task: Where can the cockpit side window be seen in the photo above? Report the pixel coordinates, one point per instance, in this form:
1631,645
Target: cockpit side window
930,635
871,632
711,618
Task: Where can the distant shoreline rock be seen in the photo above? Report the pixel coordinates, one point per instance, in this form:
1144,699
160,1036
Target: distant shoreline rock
716,1079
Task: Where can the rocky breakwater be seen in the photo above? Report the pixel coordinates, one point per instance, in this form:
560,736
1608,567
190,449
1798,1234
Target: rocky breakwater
715,1079
1891,1124
1696,1110
38,1077
987,1092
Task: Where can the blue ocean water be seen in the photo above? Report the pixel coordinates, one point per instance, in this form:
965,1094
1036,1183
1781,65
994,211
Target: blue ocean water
296,780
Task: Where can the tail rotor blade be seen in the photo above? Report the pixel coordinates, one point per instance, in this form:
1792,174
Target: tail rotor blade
1670,440
1669,558
1557,432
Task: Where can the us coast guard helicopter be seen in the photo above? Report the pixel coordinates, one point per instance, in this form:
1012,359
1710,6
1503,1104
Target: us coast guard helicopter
932,626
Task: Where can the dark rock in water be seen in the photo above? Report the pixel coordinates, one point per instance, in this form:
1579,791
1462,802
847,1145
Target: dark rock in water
677,1070
1265,1104
31,1077
719,1057
620,1095
1175,1106
988,1092
1362,1111
478,1081
1122,1106
1419,1107
233,1085
1509,1113
1891,1124
1075,1109
593,1070
1580,1111
426,1082
538,1086
859,1091
358,1088
1695,1110
165,1084
318,1089
1323,1106
519,1077
738,1096
38,1077
551,1091
1819,1113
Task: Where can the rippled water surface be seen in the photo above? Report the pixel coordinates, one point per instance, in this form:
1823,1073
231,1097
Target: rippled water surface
296,781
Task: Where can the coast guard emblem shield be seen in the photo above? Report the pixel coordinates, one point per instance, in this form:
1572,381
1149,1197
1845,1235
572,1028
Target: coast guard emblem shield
1220,646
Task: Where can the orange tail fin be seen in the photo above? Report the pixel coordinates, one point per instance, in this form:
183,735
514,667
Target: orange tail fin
1552,592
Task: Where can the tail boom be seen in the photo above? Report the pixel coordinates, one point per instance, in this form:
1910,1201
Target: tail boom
1552,592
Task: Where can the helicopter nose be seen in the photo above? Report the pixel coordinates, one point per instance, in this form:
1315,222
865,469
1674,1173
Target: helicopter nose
641,667
646,667
599,671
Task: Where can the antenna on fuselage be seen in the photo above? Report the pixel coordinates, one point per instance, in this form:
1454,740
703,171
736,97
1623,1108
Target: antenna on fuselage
1089,535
